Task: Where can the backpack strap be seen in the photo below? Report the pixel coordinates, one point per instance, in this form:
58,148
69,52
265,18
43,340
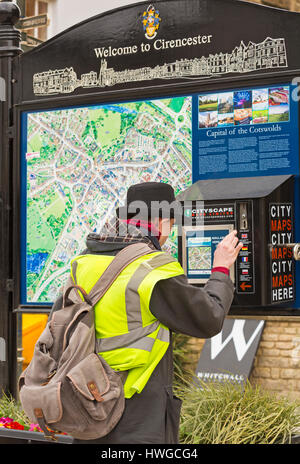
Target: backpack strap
67,300
126,256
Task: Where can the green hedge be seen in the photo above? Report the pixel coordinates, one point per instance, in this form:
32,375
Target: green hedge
230,414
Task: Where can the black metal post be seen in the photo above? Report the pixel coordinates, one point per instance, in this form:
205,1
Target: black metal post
9,49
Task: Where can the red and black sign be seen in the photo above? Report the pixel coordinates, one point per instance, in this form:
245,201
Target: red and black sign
282,264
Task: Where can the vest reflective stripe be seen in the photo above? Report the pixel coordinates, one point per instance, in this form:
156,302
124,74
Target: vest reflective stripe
134,339
74,268
163,335
128,336
132,297
148,342
139,360
121,341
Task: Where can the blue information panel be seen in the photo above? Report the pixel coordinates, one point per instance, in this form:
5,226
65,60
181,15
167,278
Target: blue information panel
199,245
245,132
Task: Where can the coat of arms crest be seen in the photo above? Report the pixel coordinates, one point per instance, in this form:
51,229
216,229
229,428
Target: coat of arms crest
151,21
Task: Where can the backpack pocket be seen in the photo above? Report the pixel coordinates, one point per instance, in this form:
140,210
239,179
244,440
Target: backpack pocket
45,398
97,387
42,363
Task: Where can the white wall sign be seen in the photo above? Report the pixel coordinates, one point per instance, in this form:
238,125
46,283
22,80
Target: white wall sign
229,355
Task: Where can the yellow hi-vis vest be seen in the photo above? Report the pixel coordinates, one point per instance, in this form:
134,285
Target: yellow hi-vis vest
128,335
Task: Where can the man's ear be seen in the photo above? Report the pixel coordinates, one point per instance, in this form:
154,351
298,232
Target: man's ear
164,220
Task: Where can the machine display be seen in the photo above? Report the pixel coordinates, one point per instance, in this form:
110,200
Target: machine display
77,164
199,245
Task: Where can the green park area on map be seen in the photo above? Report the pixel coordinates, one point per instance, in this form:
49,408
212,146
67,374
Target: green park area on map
80,163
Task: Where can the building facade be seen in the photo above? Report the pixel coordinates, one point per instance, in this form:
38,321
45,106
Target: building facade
63,14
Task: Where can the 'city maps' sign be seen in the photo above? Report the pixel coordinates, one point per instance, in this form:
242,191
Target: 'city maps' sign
282,263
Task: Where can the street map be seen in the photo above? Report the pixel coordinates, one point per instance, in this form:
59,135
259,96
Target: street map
199,258
80,162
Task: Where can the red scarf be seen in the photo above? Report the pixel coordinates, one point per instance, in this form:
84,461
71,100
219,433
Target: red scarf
146,225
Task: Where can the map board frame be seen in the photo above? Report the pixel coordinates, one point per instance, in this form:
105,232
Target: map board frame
195,137
94,32
86,102
35,82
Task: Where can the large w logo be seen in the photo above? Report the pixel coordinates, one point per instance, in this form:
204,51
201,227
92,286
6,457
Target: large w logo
238,337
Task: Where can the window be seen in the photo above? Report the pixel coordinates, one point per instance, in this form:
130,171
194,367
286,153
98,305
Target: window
34,8
42,31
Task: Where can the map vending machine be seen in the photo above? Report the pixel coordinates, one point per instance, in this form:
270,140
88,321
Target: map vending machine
261,209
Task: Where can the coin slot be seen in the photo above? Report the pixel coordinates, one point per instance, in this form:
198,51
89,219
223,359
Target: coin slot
243,216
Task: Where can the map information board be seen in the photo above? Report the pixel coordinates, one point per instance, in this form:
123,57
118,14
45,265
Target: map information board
245,132
77,164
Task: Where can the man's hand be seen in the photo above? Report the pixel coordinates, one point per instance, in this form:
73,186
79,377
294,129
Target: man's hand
227,251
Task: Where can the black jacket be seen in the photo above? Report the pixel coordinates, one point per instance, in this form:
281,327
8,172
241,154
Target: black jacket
152,417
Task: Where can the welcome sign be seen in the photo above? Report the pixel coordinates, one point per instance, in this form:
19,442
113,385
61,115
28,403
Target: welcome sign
155,46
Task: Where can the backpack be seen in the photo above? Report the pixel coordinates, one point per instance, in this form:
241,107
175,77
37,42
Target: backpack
67,386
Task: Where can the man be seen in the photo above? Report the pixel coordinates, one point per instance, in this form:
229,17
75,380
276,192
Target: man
151,297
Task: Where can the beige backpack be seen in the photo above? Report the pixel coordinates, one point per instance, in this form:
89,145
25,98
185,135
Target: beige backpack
67,386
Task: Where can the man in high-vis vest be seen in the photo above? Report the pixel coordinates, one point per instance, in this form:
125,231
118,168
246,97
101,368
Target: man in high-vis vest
150,299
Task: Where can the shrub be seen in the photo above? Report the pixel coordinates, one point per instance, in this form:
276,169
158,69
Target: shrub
229,414
180,354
